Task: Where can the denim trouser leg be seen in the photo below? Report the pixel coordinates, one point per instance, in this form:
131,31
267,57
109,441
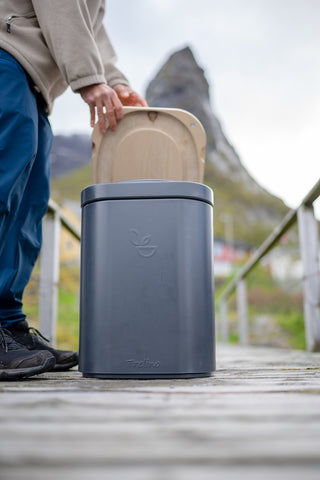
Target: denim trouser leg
25,144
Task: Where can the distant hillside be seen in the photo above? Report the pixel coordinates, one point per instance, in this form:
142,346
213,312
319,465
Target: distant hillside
70,185
252,212
69,153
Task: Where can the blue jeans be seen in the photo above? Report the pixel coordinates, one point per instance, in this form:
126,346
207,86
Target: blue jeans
25,144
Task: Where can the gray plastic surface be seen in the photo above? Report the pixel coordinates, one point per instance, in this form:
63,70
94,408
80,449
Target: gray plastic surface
146,189
147,297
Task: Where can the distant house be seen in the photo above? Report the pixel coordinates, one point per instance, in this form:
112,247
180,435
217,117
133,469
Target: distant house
285,264
228,256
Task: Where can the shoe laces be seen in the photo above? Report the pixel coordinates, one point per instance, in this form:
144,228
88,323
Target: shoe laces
35,334
7,341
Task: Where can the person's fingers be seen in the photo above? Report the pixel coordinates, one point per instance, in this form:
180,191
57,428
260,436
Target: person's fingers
129,97
92,115
123,91
114,111
100,115
137,100
104,101
109,106
143,102
111,117
118,108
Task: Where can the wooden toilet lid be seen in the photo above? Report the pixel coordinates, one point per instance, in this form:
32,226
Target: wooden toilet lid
150,143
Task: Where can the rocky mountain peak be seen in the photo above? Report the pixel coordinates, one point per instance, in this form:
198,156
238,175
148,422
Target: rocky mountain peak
181,83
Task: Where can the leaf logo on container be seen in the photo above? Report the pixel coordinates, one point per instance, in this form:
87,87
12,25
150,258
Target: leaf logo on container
142,243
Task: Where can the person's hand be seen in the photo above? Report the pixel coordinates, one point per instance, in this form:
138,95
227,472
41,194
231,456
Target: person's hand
105,99
128,97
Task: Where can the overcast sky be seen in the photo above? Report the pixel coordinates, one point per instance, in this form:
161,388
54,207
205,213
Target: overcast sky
262,60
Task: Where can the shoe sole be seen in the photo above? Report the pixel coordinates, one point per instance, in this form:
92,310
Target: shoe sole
64,367
20,373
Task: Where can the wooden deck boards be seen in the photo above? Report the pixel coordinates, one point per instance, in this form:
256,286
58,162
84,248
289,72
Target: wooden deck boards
257,416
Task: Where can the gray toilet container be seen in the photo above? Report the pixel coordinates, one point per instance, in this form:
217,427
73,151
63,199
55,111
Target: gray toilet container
147,289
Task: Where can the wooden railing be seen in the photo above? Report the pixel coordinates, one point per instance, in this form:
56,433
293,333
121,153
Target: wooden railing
309,251
49,268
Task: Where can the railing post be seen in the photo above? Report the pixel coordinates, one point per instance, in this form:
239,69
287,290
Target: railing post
309,249
242,311
49,275
224,327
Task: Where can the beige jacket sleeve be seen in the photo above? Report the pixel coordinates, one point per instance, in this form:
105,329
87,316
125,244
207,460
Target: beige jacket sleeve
78,42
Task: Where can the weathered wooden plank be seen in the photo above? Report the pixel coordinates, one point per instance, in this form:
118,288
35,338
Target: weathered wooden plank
242,308
49,275
258,415
309,248
223,321
65,222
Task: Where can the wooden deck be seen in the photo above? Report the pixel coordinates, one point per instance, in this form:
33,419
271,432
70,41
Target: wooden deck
257,417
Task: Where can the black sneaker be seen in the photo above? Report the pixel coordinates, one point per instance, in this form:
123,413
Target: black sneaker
32,339
18,362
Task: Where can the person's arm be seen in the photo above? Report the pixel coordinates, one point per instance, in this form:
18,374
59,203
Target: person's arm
126,95
69,34
86,64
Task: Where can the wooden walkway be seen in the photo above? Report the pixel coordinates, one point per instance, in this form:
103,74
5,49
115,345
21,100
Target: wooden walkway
257,417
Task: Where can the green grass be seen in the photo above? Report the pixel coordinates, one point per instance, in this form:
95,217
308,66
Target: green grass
31,299
266,297
292,324
68,306
70,186
68,313
68,320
